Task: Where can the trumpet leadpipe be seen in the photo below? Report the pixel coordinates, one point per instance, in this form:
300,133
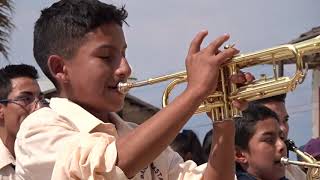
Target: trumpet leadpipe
286,161
125,87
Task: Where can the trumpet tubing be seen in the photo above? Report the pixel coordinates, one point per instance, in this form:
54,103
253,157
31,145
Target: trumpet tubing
309,162
219,102
286,161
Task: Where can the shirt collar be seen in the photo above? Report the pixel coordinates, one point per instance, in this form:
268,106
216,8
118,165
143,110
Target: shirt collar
81,118
5,156
85,121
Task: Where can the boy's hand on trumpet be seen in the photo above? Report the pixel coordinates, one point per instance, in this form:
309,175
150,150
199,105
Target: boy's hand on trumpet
203,66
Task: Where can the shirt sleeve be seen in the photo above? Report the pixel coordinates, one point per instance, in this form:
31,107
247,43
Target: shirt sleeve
187,170
178,169
92,156
50,147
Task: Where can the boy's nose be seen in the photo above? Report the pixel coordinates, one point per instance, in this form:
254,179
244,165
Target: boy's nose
39,104
281,146
124,69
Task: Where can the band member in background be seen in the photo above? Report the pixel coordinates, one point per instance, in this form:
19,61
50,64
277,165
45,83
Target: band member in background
19,96
312,147
188,146
277,104
80,46
259,145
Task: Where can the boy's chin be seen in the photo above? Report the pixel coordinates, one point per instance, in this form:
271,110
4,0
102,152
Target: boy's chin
116,107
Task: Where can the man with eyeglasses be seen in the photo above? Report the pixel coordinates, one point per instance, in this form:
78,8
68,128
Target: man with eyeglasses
19,96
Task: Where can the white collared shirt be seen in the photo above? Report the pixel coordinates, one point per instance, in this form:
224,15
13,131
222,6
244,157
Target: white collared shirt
58,143
6,163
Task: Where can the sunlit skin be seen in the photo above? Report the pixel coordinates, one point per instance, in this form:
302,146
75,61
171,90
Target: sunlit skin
96,69
280,108
265,148
13,114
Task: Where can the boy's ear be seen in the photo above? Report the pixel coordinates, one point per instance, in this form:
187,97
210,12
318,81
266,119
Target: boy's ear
240,156
1,115
57,68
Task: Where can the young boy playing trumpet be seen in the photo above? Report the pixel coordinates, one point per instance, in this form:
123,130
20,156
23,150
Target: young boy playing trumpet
259,145
81,47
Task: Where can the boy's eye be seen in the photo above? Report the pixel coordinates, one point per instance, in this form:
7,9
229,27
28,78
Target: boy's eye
269,140
286,119
105,57
25,99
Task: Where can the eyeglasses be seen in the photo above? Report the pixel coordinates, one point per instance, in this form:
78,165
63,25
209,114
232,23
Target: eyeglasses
25,100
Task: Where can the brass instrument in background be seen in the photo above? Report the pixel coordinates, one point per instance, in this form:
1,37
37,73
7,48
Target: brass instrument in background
219,102
308,162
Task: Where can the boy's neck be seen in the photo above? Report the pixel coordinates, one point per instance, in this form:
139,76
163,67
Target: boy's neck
105,117
9,143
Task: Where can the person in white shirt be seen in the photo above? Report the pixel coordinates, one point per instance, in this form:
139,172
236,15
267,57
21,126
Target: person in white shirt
81,47
19,96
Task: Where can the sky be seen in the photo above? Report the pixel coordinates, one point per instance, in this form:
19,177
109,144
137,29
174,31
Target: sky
159,34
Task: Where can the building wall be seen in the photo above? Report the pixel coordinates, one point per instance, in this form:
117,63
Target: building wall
136,110
315,102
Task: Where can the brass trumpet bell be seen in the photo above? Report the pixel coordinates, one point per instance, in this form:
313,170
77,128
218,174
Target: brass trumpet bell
309,162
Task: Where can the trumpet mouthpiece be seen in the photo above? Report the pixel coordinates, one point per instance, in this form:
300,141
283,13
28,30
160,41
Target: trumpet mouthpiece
284,161
124,87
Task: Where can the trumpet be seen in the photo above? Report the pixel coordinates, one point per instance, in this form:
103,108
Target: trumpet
286,161
219,102
308,161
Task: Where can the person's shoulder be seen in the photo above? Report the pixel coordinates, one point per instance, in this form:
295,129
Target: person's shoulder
169,158
39,116
243,175
43,117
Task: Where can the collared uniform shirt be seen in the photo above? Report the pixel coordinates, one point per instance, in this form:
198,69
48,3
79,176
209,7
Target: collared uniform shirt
59,143
7,163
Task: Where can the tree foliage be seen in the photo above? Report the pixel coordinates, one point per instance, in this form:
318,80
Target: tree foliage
5,25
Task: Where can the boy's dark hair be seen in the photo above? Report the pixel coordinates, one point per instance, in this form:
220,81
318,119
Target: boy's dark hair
245,125
188,142
278,98
207,142
14,71
61,28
